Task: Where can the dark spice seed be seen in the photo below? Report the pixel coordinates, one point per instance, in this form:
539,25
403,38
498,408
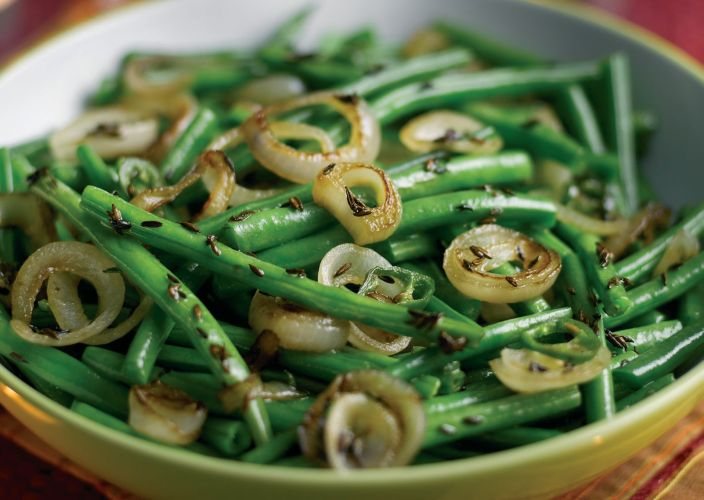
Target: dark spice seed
387,279
604,255
301,273
295,203
487,220
112,270
342,269
18,357
571,290
427,85
211,241
175,292
508,191
190,226
447,429
328,169
359,209
242,216
218,352
519,252
473,420
348,98
533,262
479,252
449,344
172,278
465,207
258,272
197,312
536,367
512,281
36,175
531,123
496,211
118,224
202,332
422,319
151,223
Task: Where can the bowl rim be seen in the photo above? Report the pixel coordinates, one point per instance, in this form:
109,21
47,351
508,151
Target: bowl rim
583,438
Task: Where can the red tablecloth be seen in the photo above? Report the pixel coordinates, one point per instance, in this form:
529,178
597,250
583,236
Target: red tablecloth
672,468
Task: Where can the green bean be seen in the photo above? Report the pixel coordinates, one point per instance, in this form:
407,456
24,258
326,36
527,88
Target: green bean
641,263
647,318
276,226
451,378
324,74
96,415
285,415
71,175
43,385
272,279
642,338
181,358
645,124
542,141
645,391
108,364
96,171
202,387
690,306
413,70
600,271
655,292
447,89
616,81
243,338
229,437
64,371
423,214
479,418
280,43
273,450
405,248
8,235
531,306
598,393
189,145
496,336
486,390
663,358
168,292
153,331
573,100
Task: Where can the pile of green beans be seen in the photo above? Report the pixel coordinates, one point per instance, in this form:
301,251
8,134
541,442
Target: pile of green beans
199,340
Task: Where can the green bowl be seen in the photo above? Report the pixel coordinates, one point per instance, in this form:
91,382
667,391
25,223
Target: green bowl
666,82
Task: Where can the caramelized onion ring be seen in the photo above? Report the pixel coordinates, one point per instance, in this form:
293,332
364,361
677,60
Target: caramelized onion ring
300,166
80,259
364,419
31,214
210,163
332,191
469,272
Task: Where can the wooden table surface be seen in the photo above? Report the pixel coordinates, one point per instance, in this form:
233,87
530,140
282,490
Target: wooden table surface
672,468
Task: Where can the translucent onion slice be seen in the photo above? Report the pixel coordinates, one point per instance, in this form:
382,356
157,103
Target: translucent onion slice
139,75
364,419
349,264
425,41
297,328
449,131
301,166
80,259
213,165
645,222
272,89
527,371
332,190
590,224
166,414
67,308
684,246
110,131
473,254
31,214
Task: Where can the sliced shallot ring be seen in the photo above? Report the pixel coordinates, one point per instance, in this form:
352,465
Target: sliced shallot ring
111,131
165,413
73,257
301,166
210,163
338,425
136,81
349,264
527,371
684,246
31,214
590,224
332,191
450,131
471,256
297,328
